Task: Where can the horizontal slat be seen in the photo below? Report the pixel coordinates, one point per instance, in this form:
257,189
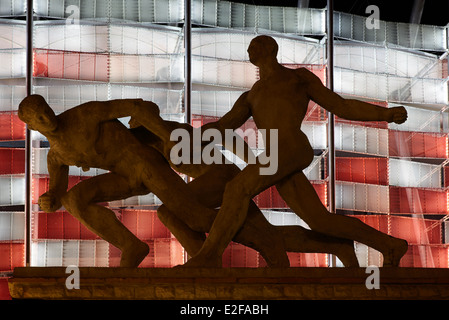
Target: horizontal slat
414,200
362,170
158,11
362,197
12,161
12,190
417,144
12,225
404,173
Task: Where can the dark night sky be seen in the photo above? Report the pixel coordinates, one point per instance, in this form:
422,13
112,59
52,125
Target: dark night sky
436,12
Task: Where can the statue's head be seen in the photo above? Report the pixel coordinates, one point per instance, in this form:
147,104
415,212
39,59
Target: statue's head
37,114
262,48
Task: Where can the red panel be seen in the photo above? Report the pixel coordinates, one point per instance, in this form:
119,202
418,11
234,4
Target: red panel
430,256
12,161
144,224
4,290
298,259
414,230
417,144
414,200
70,65
240,256
11,128
60,225
11,255
363,170
446,176
164,253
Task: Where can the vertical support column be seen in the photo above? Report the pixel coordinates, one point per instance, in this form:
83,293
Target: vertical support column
187,71
188,60
331,118
330,84
28,146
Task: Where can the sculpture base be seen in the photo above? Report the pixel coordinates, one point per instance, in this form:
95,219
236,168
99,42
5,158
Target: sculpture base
229,284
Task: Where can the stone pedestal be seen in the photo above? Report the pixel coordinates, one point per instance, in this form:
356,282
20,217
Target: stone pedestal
229,284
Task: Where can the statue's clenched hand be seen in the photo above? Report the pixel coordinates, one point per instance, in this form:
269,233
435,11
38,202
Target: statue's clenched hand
397,115
49,202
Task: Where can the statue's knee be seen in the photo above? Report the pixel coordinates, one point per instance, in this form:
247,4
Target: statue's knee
73,203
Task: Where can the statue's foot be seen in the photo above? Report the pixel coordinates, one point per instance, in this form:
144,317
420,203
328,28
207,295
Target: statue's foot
347,256
134,255
394,254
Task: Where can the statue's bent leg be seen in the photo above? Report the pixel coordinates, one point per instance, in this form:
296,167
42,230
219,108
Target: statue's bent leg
172,190
209,188
232,214
81,201
299,239
299,194
191,240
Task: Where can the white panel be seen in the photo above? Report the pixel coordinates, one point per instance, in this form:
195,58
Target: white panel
213,103
61,98
11,96
13,63
233,46
392,33
12,36
13,8
313,171
362,197
70,254
225,73
391,88
361,139
141,11
316,132
47,253
132,68
12,190
241,16
405,173
83,253
395,62
12,225
284,218
77,38
367,256
133,40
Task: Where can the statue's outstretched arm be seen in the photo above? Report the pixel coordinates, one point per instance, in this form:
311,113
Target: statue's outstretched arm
232,120
349,109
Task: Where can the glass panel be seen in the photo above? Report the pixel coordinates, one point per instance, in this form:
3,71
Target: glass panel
115,50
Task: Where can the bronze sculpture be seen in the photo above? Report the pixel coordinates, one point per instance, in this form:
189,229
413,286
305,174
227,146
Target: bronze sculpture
104,143
138,160
278,101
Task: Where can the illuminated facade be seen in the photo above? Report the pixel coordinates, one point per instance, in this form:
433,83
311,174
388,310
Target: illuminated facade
392,177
